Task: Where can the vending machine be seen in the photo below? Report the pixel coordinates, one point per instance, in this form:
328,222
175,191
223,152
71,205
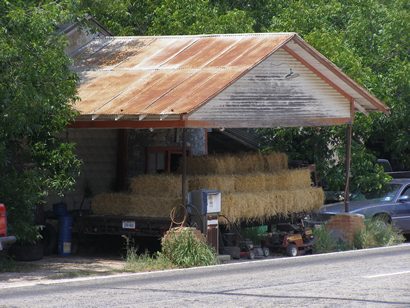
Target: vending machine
204,206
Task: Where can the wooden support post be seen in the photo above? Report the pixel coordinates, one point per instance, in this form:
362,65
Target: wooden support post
184,169
122,159
347,164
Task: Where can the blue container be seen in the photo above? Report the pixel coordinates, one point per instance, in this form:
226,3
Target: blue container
60,209
64,236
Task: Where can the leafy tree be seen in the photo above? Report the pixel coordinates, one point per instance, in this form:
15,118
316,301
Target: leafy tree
122,17
197,17
369,40
37,89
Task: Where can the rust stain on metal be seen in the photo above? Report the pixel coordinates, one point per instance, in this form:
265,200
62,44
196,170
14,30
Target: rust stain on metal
176,75
164,75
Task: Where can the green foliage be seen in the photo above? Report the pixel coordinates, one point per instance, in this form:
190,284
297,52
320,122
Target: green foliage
377,233
37,90
369,40
184,248
324,242
7,264
146,262
197,17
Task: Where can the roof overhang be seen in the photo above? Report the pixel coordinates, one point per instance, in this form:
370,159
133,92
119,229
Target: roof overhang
161,82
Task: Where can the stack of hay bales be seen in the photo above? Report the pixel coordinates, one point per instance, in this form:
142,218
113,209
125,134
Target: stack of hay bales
150,196
255,187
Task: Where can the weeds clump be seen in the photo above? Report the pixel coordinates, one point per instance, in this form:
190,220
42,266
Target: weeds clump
377,233
181,247
325,242
186,247
146,262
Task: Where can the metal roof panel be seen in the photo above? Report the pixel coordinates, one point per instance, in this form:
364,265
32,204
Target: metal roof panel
175,75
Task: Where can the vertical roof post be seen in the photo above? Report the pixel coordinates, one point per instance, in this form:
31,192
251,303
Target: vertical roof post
347,164
184,173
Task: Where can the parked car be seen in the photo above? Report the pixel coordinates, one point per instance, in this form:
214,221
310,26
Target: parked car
391,204
5,240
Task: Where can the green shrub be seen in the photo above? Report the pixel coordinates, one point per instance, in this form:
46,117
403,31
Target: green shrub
323,240
186,247
377,233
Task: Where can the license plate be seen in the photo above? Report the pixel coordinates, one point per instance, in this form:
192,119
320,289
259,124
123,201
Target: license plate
128,224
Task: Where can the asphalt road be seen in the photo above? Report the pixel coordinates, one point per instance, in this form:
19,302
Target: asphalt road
372,278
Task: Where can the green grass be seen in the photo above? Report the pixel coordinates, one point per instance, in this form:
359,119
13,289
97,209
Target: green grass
8,265
146,262
180,248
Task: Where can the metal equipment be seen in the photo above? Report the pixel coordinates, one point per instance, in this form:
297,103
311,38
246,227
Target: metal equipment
204,207
293,239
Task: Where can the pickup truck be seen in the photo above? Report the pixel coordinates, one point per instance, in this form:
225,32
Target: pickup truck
4,239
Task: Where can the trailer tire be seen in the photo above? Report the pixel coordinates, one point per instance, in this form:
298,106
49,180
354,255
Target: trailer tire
251,255
292,250
50,237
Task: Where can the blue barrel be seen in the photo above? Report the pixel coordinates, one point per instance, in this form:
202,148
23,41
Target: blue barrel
64,236
60,209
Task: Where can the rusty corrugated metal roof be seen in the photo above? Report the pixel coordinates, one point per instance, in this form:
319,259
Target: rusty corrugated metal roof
171,75
168,77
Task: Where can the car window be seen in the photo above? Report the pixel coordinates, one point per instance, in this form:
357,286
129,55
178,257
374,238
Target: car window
406,192
387,193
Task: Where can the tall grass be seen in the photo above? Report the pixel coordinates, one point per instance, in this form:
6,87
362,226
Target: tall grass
181,247
377,233
185,247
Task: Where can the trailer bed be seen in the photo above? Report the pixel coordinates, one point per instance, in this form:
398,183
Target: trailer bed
122,225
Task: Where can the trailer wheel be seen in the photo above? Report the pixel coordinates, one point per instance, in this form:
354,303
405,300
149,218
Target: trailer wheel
251,255
292,250
50,237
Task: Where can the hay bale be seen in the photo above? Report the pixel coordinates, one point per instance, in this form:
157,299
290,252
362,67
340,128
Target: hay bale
288,180
134,205
236,164
109,203
221,183
275,162
157,185
260,206
255,182
282,180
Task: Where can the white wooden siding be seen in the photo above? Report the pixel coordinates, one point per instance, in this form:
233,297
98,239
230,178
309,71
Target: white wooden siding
264,97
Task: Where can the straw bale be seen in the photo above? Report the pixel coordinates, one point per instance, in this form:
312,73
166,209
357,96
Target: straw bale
259,206
157,185
255,182
134,205
288,180
275,162
236,164
282,180
222,183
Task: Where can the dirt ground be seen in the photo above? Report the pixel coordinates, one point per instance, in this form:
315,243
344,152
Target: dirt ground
56,267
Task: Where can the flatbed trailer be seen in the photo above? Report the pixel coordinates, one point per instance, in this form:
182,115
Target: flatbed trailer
121,225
